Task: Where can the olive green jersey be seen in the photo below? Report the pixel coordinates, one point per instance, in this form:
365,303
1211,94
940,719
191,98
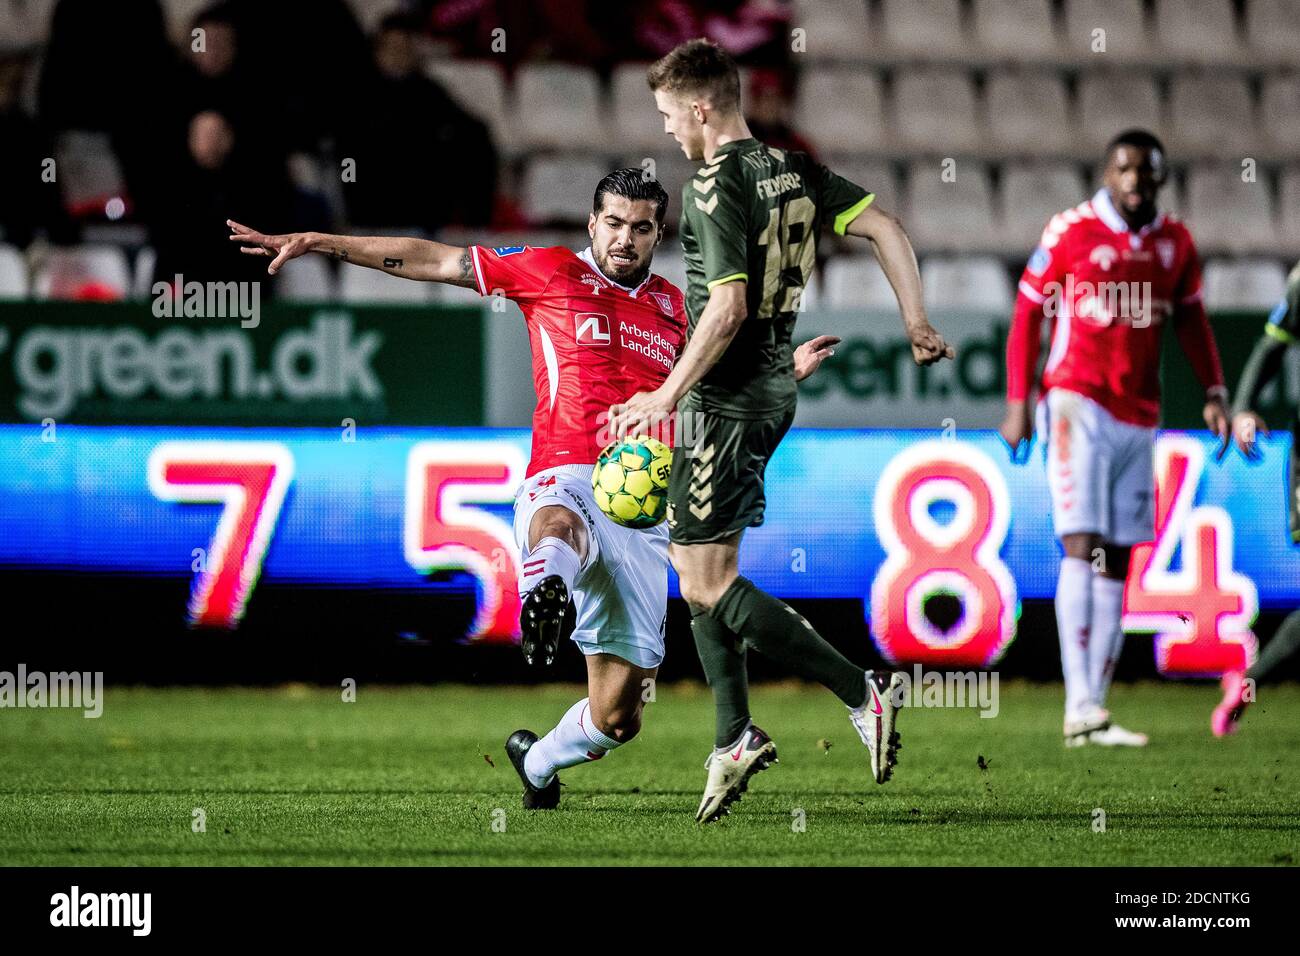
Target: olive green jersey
1281,330
1284,323
754,214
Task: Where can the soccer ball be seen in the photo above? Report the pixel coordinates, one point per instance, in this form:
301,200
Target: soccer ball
631,481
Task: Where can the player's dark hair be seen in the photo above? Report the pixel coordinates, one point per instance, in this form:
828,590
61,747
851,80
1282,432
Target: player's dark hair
698,66
632,182
1139,138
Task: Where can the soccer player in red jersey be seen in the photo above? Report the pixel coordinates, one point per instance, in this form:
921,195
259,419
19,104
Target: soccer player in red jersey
1110,273
601,326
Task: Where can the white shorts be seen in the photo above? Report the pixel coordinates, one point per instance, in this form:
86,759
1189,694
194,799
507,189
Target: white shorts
1100,470
621,594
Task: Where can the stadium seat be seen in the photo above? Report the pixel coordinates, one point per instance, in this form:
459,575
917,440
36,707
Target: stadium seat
370,285
1243,284
671,168
1031,196
1210,114
1111,102
856,282
872,174
1198,31
923,28
1279,114
13,273
93,272
636,122
559,106
834,29
1126,38
1273,30
308,279
88,169
1017,29
1029,114
559,188
958,215
841,109
480,88
966,282
142,273
24,25
668,264
935,112
1289,211
1227,214
812,296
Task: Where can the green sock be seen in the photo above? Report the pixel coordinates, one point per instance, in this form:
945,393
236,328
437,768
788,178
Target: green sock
777,631
1285,643
723,656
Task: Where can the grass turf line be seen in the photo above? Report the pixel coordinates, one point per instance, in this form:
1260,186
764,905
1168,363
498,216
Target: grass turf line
293,776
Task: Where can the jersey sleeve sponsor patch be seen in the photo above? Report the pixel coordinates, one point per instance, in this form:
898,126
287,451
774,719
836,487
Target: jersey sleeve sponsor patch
503,251
1038,262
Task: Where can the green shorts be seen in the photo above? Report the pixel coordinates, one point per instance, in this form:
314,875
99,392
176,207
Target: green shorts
716,485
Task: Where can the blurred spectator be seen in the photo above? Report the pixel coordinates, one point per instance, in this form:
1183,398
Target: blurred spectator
420,159
755,32
28,204
109,67
768,108
221,178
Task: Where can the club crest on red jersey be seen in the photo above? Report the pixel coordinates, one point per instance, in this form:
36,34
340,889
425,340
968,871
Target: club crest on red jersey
1166,249
665,302
591,328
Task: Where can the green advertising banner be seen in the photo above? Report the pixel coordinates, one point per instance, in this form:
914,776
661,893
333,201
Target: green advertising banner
315,365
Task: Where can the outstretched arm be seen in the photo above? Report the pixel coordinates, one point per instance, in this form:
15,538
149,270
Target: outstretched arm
894,251
398,256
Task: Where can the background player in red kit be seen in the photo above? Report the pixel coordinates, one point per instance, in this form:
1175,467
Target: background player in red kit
601,326
1109,272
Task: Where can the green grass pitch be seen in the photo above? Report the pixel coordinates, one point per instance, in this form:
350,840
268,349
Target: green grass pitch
295,776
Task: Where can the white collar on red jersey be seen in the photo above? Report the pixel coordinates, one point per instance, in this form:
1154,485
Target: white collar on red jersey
586,256
1107,213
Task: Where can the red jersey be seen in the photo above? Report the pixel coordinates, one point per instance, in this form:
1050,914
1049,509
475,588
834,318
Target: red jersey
1109,292
595,343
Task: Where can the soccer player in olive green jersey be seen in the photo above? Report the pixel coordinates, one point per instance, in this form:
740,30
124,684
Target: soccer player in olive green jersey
749,233
1281,330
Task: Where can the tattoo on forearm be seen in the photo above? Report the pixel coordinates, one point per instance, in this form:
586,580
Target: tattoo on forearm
339,255
466,265
392,263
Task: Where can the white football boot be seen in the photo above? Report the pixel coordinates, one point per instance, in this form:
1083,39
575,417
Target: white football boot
1080,727
874,721
1113,735
730,770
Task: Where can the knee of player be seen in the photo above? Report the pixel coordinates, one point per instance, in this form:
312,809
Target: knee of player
621,722
556,522
700,595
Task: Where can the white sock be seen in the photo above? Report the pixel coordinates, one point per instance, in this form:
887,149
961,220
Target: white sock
574,740
550,556
1073,622
1107,638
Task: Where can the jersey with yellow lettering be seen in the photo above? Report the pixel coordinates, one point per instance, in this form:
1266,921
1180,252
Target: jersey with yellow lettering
755,213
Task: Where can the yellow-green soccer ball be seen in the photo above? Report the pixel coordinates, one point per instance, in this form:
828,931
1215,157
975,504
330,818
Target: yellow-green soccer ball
631,481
